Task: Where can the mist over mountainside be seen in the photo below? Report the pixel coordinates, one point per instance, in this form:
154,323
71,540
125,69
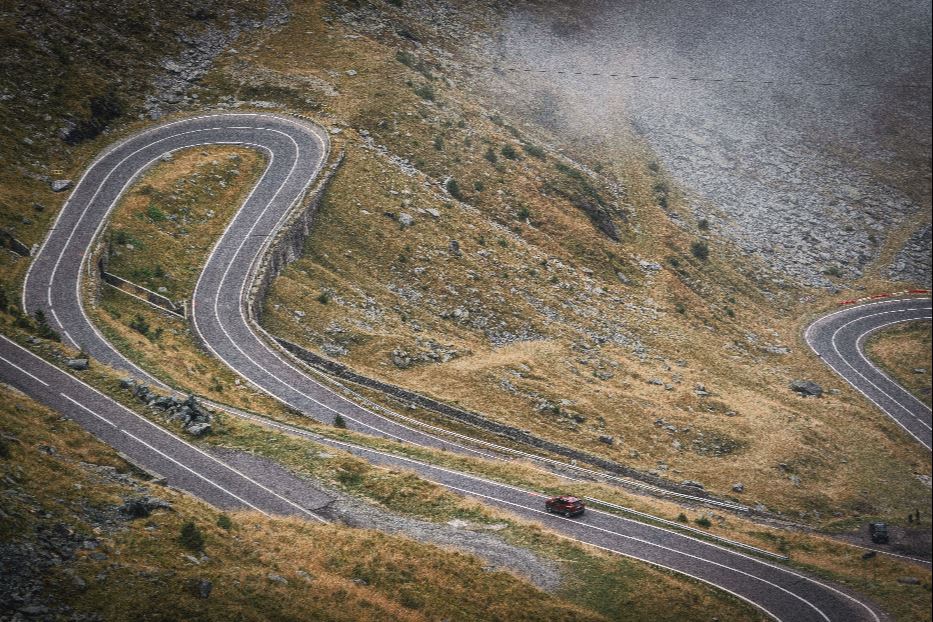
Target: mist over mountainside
800,130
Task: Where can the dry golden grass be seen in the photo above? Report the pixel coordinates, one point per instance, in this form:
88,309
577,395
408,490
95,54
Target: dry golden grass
534,282
902,350
161,231
332,572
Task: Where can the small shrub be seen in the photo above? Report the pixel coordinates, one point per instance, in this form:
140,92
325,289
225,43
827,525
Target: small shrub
682,517
425,91
680,308
159,272
534,151
140,325
703,522
524,213
730,312
4,301
224,522
43,329
191,537
4,448
340,422
479,186
439,143
155,214
410,599
835,271
509,152
323,298
703,224
700,250
491,155
454,189
350,477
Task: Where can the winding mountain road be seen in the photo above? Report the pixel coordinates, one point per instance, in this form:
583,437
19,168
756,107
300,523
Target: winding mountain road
296,151
839,339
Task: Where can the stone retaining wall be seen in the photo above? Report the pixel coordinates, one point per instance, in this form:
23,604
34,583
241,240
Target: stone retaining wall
288,243
464,416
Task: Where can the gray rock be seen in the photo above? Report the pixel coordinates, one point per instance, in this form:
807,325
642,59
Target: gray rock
77,364
200,588
60,185
777,349
738,487
277,578
198,429
807,388
605,438
144,506
690,483
656,381
401,358
909,580
405,220
454,247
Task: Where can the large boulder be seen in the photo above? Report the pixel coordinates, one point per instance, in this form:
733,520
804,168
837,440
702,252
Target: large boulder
79,364
807,388
198,428
143,506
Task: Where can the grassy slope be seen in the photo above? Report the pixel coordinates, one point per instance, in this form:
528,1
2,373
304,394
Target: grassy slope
597,582
548,316
146,573
554,229
902,349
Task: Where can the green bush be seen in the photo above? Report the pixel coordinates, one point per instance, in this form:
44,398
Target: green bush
43,329
703,224
682,517
339,421
703,522
534,151
491,155
140,325
524,213
700,250
191,537
323,298
454,189
155,214
509,152
425,91
224,522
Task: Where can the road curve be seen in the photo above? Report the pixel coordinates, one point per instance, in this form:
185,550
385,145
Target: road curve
296,152
839,339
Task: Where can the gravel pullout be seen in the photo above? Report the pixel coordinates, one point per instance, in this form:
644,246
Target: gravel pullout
478,539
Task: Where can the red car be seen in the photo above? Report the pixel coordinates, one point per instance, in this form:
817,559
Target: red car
567,506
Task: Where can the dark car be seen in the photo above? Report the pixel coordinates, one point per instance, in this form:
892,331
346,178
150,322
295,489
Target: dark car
878,533
567,506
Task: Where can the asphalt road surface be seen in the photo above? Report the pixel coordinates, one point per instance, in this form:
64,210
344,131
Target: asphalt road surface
839,338
296,152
